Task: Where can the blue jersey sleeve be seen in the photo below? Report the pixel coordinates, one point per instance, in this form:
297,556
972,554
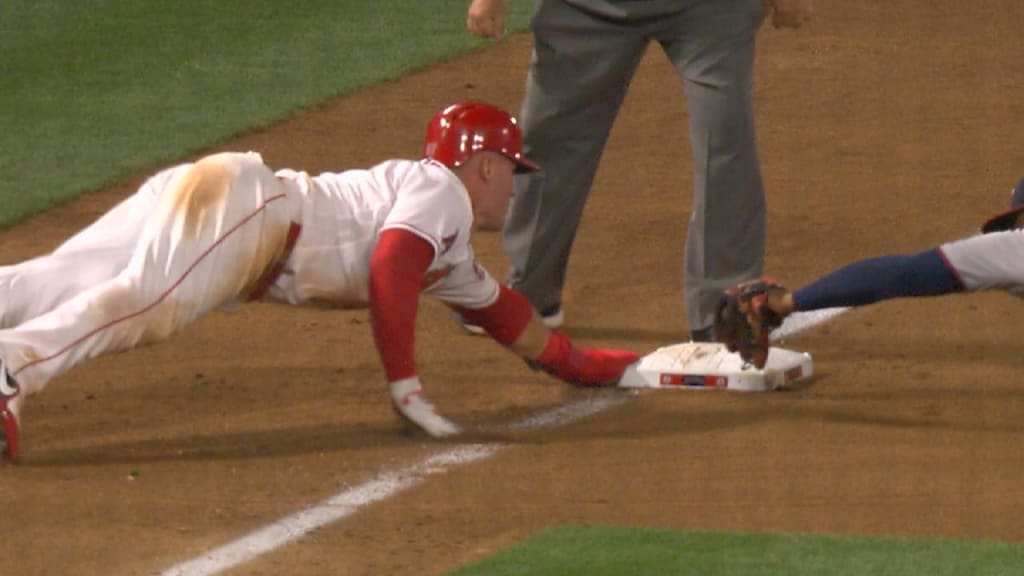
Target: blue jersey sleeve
875,279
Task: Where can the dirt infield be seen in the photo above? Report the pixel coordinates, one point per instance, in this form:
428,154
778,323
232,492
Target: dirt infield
884,127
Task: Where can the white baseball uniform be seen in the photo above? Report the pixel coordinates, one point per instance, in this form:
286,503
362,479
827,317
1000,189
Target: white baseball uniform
205,235
989,261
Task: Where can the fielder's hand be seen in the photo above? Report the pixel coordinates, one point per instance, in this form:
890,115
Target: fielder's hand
743,321
410,403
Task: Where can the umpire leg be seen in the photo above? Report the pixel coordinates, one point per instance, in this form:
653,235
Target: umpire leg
712,47
578,77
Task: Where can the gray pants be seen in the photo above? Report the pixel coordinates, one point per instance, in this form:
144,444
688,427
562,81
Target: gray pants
585,55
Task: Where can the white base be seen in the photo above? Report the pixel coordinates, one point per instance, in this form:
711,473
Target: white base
708,365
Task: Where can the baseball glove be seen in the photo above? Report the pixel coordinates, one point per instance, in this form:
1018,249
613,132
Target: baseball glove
743,322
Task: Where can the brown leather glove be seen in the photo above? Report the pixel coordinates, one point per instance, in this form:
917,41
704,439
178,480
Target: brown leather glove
744,323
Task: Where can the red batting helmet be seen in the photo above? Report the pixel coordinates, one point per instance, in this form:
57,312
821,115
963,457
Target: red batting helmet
461,130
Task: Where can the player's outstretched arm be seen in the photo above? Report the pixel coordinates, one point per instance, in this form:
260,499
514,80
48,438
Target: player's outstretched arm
882,278
751,310
513,322
396,269
865,282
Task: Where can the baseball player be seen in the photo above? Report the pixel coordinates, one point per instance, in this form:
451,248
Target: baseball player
992,260
228,229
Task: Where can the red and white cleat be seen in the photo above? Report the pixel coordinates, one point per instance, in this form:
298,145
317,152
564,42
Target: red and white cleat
10,406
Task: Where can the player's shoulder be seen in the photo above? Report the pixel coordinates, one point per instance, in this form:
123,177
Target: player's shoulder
425,168
395,169
421,177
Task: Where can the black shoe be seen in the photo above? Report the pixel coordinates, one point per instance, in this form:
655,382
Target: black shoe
703,335
552,318
471,328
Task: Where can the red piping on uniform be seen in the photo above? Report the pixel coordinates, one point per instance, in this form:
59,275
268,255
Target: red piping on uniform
956,273
160,298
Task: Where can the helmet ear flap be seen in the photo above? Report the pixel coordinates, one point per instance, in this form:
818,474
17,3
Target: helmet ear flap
461,130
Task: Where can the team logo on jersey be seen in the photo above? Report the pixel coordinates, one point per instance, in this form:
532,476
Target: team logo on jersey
431,277
448,241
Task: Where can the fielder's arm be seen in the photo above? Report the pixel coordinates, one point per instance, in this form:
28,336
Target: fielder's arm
875,279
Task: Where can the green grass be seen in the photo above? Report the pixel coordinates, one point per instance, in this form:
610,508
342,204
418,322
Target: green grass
623,551
93,90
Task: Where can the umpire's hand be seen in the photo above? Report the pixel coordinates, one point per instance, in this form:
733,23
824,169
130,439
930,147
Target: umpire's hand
789,13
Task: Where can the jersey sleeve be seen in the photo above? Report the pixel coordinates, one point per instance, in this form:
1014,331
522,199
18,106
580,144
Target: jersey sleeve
880,278
465,283
432,203
989,261
395,268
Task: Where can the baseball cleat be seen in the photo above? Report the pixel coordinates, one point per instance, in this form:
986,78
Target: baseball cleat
552,318
703,334
471,328
10,406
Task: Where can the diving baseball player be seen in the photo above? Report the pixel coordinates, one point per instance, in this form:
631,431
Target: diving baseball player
228,229
992,260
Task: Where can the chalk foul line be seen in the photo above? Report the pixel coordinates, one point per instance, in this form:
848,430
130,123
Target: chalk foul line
348,502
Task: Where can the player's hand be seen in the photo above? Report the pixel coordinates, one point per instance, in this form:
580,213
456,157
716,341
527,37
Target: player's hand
486,18
603,366
410,403
583,367
789,13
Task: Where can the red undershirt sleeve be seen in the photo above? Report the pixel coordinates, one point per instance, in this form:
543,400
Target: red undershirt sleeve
505,319
396,278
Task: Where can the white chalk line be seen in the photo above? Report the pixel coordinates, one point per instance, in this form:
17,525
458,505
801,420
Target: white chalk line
295,526
348,502
800,321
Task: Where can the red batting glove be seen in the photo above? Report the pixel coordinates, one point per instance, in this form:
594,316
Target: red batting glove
583,367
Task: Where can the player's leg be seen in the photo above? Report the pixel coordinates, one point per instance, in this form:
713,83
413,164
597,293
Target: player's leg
577,80
712,47
214,231
94,255
34,287
120,226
